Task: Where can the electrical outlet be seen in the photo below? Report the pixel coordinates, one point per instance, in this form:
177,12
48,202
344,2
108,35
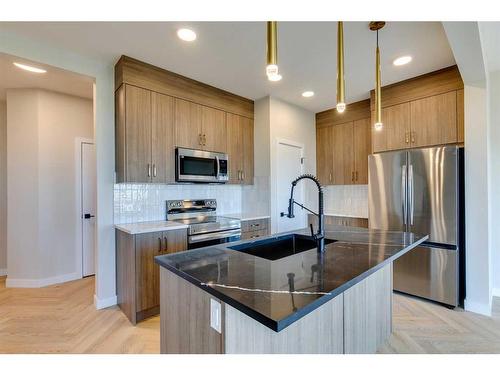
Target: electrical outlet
215,315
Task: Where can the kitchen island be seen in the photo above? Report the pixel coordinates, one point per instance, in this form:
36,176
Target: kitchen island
242,298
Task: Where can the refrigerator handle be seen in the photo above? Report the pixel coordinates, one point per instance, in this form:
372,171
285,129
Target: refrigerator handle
410,188
403,193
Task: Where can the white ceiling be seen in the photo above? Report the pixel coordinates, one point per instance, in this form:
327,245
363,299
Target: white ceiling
55,79
231,55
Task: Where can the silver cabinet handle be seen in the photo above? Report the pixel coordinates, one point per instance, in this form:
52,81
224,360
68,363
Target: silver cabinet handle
330,176
154,170
242,175
410,188
204,139
403,193
149,170
199,139
159,244
166,246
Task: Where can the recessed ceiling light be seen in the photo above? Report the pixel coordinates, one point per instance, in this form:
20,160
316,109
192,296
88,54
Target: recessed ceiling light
30,68
187,35
308,94
402,60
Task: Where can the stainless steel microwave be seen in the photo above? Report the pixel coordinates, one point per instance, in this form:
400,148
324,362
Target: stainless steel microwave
200,166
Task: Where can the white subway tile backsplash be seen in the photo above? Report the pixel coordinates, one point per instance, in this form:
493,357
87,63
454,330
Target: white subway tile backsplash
147,202
346,200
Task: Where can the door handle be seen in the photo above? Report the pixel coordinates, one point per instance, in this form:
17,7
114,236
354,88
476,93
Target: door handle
403,193
88,216
199,139
356,176
166,244
412,137
410,187
407,137
159,244
330,177
204,139
154,170
352,177
149,170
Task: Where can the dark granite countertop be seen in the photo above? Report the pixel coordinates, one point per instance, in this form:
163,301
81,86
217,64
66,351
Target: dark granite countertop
261,289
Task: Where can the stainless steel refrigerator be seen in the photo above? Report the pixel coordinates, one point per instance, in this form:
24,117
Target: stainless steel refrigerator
420,191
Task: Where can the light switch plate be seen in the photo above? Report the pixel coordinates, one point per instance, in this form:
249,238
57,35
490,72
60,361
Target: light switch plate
215,315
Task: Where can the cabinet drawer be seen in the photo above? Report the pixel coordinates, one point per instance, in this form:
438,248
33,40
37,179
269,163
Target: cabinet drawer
254,234
251,225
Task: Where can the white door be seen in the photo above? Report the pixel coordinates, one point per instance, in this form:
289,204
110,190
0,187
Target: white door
289,163
89,196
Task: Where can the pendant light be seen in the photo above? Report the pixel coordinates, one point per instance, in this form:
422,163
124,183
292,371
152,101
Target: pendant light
272,52
340,68
376,26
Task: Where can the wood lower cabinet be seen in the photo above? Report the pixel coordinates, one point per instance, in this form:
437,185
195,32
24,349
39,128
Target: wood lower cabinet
255,228
137,276
240,146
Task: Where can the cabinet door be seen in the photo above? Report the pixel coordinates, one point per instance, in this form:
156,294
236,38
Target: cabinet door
434,120
343,161
234,147
324,155
362,148
120,142
188,131
460,116
138,134
248,157
163,154
175,241
213,124
395,133
147,246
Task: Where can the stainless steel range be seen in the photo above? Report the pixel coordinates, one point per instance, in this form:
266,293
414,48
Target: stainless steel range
206,228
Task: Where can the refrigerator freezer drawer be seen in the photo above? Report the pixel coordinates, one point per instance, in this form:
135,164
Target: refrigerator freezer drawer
430,273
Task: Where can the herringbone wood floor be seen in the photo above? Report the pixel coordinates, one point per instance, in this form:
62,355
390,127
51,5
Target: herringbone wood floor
62,319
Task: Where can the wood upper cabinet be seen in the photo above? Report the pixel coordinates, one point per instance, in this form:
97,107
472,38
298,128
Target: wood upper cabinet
395,133
199,127
343,157
362,148
213,129
460,116
162,138
144,136
188,131
138,133
434,120
324,154
342,153
240,149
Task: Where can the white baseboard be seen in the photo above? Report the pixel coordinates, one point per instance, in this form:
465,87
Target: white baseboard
38,283
102,303
3,271
496,292
478,308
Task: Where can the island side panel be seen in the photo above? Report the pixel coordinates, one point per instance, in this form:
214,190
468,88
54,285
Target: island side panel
321,331
185,318
368,313
125,274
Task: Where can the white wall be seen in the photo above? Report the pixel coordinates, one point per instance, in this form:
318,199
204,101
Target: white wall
478,287
41,130
3,188
494,171
103,74
291,123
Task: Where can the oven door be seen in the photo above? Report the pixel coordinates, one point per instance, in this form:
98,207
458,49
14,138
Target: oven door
215,238
199,166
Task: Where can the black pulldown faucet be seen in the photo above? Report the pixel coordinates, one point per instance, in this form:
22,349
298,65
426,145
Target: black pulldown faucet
320,234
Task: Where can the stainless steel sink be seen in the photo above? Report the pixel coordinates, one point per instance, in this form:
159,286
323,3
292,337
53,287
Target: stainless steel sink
279,247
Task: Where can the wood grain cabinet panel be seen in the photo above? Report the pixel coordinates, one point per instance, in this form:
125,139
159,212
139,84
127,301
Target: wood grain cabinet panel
138,134
137,275
434,120
240,146
162,138
343,161
324,154
395,133
213,129
460,116
362,148
188,130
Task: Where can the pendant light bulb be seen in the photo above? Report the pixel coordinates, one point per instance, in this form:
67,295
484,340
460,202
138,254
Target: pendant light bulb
272,70
340,68
376,26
